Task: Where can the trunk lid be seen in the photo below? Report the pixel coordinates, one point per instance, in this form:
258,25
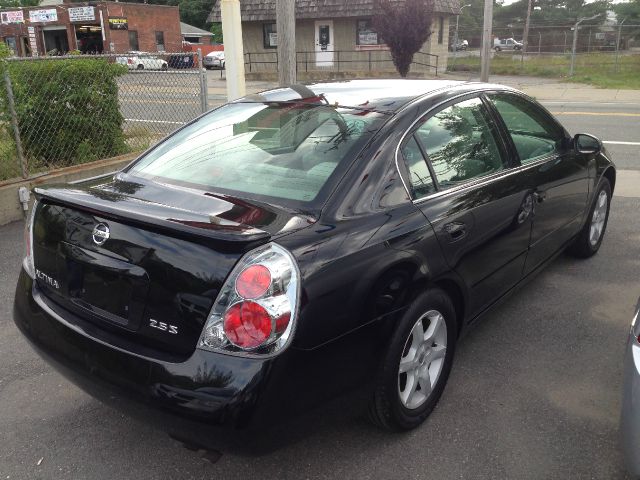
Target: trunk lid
146,261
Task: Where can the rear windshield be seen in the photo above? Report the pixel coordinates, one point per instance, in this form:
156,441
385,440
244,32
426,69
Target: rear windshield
284,151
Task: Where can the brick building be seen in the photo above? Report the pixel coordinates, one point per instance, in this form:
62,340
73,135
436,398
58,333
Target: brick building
91,27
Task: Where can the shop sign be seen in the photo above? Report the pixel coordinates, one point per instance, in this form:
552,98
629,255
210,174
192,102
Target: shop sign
14,16
273,39
81,14
367,38
32,41
47,15
118,23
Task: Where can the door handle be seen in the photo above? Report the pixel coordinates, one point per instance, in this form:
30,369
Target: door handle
456,231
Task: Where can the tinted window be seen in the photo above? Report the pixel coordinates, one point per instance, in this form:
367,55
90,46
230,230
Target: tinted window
461,143
420,177
282,150
534,133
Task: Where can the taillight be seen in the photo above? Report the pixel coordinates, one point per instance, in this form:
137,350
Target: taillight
28,242
256,308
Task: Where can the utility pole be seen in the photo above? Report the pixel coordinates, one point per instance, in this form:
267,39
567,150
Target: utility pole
485,53
618,40
286,28
525,35
575,41
233,51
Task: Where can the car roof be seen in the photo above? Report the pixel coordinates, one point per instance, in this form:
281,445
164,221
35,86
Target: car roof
384,95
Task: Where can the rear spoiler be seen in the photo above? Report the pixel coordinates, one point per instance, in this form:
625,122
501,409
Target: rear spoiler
157,216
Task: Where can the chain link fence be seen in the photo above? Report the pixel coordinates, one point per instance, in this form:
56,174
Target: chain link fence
63,111
606,55
550,38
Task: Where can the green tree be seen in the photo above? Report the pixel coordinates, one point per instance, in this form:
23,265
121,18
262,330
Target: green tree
628,10
550,12
216,29
18,3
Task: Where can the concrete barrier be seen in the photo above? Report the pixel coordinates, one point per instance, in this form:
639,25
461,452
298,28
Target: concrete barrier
10,206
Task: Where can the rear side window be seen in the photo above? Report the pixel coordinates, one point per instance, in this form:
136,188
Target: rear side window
461,143
287,151
534,133
419,175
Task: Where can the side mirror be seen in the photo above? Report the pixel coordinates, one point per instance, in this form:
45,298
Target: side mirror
585,143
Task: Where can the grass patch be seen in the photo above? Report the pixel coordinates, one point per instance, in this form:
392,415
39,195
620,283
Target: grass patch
594,69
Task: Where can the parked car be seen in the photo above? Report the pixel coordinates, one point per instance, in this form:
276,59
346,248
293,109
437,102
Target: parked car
185,60
213,60
142,61
506,44
630,419
461,45
304,243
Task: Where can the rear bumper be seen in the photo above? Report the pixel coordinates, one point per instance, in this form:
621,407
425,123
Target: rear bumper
207,398
630,420
211,400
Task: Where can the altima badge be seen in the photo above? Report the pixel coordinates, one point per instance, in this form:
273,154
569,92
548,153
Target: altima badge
100,234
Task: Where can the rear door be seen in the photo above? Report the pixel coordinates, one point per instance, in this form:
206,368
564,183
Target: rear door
461,179
557,175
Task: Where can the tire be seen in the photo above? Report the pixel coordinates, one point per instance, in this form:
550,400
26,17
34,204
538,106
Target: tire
497,49
392,407
586,244
164,67
140,67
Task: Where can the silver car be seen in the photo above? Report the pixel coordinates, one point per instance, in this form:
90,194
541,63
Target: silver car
214,60
630,421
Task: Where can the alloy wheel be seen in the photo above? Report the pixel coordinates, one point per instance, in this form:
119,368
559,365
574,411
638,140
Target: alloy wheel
598,218
422,359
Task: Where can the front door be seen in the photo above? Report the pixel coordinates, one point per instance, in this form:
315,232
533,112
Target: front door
324,43
556,174
481,211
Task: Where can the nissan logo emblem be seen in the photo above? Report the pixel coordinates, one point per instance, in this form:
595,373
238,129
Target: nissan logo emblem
100,234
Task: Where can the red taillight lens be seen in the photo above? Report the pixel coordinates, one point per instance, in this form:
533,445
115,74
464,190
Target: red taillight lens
256,308
247,324
253,281
282,322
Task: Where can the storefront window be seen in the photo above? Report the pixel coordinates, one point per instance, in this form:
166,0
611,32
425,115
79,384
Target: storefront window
133,40
160,41
366,35
270,35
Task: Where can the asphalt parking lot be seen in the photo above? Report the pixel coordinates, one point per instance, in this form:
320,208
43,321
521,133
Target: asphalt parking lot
534,392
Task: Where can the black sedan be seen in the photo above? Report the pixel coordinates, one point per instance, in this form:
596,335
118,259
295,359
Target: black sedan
296,245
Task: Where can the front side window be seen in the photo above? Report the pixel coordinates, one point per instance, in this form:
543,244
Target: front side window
461,143
285,151
534,133
419,175
269,35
